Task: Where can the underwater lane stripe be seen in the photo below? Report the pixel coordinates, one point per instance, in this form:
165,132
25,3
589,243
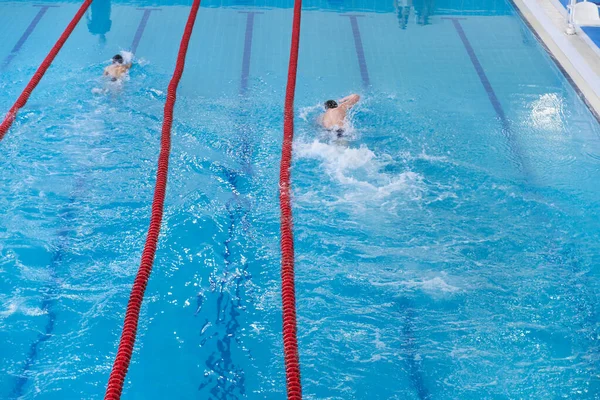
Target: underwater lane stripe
130,325
506,125
141,27
26,34
288,290
37,77
247,49
228,307
480,72
51,290
360,51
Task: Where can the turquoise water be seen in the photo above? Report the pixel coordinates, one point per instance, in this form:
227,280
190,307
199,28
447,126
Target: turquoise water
443,252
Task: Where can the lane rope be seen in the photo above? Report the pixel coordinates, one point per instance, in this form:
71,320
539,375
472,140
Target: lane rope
128,335
288,292
39,74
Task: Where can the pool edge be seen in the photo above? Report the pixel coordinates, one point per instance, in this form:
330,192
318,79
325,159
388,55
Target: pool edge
581,70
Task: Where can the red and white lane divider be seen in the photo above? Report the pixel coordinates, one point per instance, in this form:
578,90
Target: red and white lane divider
39,74
288,291
123,358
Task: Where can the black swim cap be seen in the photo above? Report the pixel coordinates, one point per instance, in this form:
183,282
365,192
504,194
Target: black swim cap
330,104
118,59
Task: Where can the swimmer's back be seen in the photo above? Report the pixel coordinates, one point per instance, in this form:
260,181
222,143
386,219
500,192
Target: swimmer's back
334,118
116,71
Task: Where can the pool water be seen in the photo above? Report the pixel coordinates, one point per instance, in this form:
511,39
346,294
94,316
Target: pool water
448,248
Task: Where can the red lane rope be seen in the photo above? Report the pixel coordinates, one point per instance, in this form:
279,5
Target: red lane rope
37,77
123,358
288,292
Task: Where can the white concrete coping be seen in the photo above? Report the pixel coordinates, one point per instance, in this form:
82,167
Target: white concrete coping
577,54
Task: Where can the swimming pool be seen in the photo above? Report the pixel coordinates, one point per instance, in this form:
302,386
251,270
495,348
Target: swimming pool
448,250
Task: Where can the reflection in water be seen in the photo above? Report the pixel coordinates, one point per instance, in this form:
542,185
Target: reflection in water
99,22
423,10
403,10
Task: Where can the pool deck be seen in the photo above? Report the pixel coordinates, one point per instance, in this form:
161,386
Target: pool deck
578,55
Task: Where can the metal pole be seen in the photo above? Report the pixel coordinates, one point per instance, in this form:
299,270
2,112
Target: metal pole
571,18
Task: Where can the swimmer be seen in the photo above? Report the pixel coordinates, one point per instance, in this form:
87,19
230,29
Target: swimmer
334,118
117,69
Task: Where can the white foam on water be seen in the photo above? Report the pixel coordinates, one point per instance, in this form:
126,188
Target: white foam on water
17,305
360,168
99,91
336,158
127,56
435,286
427,157
111,87
10,309
305,112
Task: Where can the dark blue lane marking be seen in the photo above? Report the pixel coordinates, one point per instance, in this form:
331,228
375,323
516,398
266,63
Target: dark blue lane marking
360,52
480,72
230,381
415,373
247,50
141,27
26,34
245,148
555,256
406,309
50,293
49,298
506,126
415,370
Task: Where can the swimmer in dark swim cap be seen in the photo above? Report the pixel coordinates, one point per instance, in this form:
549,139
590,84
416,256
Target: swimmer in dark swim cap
334,118
117,69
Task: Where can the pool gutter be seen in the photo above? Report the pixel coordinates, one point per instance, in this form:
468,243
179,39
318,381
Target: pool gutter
576,55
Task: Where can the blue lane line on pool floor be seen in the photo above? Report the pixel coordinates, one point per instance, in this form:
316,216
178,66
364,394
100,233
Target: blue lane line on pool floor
141,27
26,34
360,51
413,359
564,259
67,215
50,292
480,72
229,306
47,307
247,50
506,126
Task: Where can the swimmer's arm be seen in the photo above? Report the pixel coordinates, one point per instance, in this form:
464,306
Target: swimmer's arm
349,101
105,71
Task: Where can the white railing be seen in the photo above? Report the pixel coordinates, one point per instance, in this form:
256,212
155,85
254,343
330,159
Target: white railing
582,13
